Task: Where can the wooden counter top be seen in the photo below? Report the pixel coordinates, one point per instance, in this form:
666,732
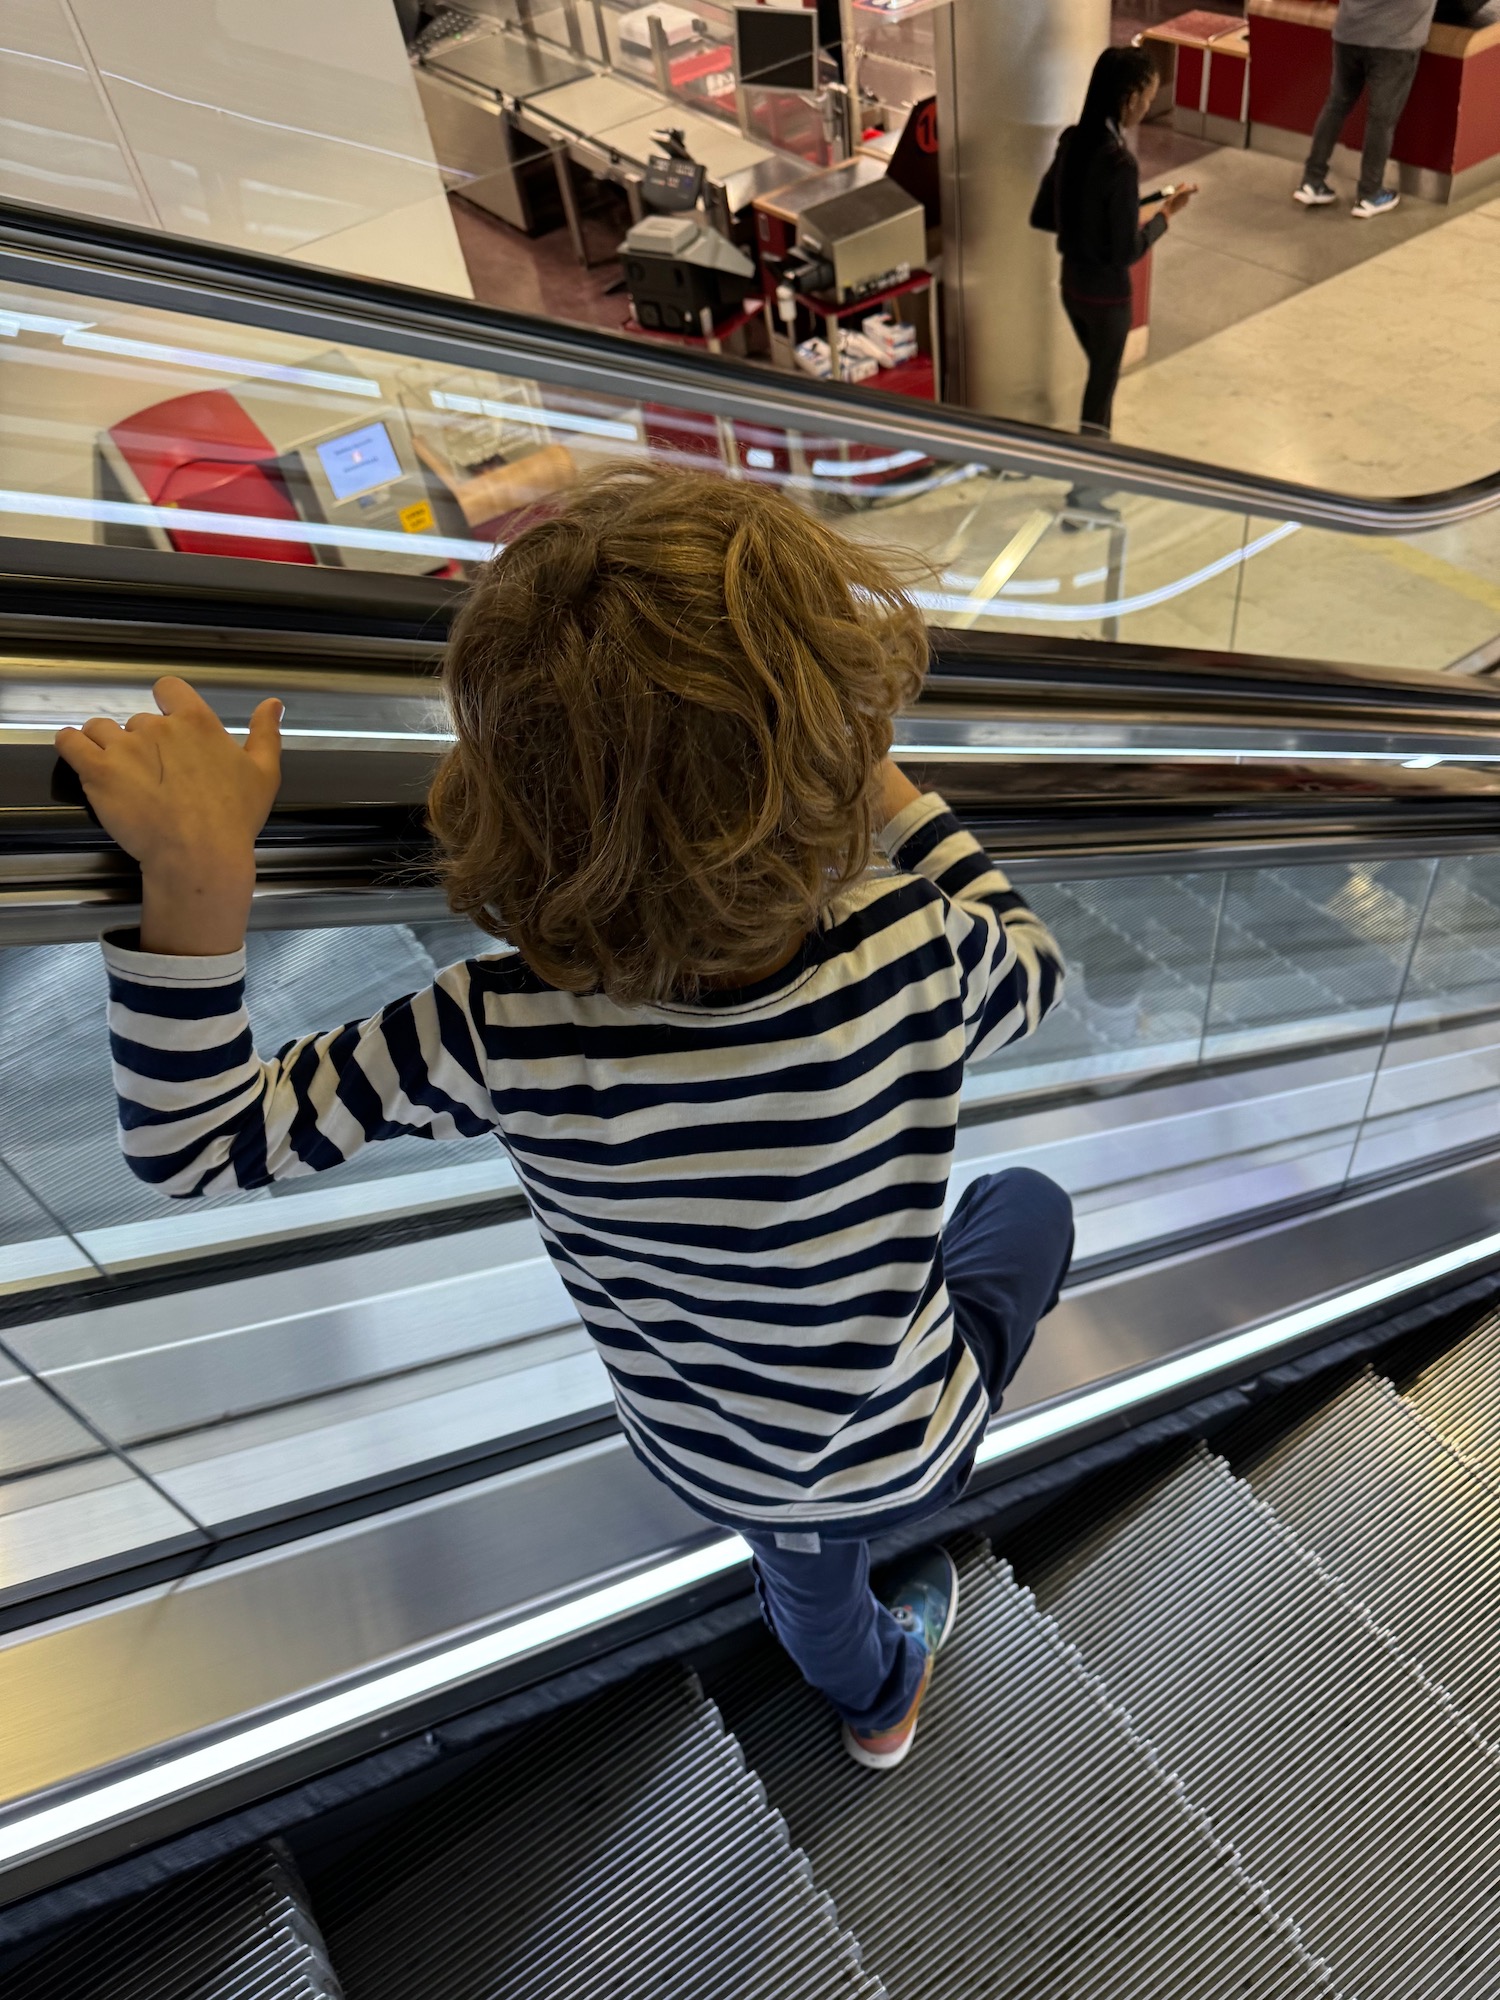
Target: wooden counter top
1443,41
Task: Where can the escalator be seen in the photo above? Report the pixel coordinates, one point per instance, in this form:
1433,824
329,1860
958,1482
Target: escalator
312,1498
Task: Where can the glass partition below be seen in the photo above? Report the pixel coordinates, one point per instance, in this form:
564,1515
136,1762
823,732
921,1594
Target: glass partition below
1233,1045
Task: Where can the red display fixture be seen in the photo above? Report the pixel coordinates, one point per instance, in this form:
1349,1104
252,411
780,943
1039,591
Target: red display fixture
204,452
1448,139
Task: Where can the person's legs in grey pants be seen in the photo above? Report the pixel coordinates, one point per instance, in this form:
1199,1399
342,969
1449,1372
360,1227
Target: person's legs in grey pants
1390,74
1349,62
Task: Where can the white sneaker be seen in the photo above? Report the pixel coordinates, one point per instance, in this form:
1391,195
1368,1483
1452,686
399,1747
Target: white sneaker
1315,194
1376,204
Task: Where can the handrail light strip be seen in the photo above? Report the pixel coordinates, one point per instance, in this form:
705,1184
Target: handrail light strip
175,1777
122,1798
1017,1433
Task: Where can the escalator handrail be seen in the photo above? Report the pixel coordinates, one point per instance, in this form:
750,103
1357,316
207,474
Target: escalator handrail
132,265
349,826
67,606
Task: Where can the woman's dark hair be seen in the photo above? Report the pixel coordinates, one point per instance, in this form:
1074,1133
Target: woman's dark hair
1118,75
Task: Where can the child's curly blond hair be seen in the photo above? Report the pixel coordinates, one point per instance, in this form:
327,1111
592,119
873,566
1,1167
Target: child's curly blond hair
672,701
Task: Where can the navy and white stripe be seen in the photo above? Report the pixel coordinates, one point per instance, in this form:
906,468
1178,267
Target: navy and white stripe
743,1196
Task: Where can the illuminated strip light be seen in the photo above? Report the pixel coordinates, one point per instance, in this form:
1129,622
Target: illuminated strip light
176,1777
231,364
1201,753
398,738
14,323
526,413
1013,1434
249,527
1118,607
866,468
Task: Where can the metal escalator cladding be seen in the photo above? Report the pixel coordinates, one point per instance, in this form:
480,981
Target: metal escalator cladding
1459,1395
239,1930
1027,1847
1408,1528
621,1848
1340,1776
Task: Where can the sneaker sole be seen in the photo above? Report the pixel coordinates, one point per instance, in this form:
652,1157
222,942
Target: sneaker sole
876,1760
887,1760
1369,214
1314,200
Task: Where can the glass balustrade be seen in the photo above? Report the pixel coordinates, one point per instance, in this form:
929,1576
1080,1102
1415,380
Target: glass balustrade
1231,1041
128,424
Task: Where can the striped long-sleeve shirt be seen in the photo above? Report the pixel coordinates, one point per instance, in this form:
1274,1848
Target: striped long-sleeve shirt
743,1196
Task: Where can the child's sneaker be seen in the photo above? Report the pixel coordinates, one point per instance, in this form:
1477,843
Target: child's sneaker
1376,204
1315,194
925,1603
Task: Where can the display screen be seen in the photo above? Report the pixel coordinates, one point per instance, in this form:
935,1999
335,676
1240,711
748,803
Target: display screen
776,46
359,460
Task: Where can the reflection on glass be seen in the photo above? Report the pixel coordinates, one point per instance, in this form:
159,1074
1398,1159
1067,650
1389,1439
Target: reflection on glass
156,429
1438,1088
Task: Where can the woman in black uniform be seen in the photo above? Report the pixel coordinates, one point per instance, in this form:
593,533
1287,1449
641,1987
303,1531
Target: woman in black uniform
1090,199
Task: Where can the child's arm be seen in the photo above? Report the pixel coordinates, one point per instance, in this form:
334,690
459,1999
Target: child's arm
200,1112
1010,967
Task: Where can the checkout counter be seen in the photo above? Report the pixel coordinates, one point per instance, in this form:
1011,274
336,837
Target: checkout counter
1448,141
515,111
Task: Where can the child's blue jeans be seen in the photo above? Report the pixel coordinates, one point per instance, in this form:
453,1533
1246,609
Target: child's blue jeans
1006,1250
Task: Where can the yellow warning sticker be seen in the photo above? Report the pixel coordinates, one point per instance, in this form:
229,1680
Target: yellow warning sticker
417,519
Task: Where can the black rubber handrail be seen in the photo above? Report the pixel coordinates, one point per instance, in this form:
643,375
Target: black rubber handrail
76,602
118,261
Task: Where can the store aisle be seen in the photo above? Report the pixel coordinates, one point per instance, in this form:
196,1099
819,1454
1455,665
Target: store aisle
1374,372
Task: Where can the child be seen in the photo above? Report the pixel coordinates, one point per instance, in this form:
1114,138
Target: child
724,1055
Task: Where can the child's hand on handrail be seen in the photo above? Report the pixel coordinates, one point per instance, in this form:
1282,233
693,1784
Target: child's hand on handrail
186,800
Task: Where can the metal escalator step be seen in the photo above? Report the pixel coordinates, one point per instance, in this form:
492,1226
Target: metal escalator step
1459,1395
620,1851
1028,1850
240,1930
1343,1780
1409,1529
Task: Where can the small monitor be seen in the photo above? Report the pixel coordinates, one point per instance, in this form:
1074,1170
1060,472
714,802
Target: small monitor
671,187
359,461
776,47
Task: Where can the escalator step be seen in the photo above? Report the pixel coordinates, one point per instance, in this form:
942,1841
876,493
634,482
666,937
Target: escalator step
620,1851
1459,1395
1344,1781
1028,1848
240,1930
1409,1530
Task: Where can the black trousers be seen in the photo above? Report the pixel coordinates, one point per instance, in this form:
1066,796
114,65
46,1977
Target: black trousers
1388,75
1102,333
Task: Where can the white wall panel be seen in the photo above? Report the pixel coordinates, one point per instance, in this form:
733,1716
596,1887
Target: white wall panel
268,125
56,142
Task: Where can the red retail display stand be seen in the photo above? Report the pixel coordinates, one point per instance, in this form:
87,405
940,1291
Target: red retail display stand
1209,66
1448,140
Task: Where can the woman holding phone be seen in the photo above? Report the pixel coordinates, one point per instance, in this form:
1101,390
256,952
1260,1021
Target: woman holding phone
1090,199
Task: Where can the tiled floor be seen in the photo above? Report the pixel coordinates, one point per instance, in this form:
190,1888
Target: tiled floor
542,274
1361,359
